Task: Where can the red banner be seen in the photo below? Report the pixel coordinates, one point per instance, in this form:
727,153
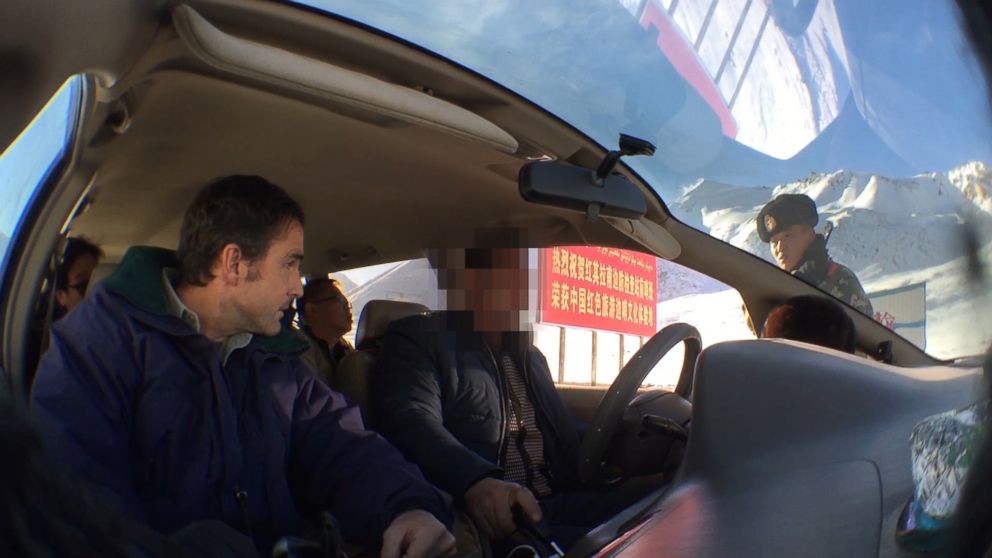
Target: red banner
599,288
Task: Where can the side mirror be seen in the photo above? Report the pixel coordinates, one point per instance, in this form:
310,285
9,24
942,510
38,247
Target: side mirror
593,192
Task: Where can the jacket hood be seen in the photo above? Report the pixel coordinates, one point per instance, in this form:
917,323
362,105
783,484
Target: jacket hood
138,279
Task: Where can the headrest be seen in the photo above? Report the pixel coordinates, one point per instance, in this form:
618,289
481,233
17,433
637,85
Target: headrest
100,272
378,314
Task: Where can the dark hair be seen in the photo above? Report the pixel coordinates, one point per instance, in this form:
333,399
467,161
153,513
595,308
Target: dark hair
245,210
812,319
75,248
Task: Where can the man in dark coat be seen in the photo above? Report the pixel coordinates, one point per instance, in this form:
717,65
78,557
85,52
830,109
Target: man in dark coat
786,223
467,397
175,391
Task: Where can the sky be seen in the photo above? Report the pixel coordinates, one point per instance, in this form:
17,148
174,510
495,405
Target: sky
28,159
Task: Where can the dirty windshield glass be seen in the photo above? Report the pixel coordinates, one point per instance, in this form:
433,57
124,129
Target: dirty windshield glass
870,118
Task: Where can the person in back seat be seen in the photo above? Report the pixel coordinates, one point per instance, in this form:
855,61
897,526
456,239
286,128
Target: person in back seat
79,260
72,277
327,316
468,397
812,319
175,391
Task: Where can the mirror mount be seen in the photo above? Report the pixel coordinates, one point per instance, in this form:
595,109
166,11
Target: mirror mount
629,145
595,193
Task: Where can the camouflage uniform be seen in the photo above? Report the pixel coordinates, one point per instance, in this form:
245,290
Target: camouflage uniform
844,286
832,278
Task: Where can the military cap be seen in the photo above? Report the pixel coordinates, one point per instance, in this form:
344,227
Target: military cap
783,212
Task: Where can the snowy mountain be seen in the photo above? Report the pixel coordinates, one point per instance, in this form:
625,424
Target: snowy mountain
975,182
675,281
891,232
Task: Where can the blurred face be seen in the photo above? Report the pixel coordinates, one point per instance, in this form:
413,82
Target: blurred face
496,288
270,284
329,311
789,245
79,278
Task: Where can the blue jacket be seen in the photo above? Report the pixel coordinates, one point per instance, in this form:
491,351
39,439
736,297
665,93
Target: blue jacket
138,404
440,397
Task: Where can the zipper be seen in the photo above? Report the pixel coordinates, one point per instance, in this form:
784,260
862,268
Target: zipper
504,419
242,497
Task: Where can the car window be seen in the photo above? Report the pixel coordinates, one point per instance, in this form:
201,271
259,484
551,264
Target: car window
408,281
644,293
591,308
32,157
876,111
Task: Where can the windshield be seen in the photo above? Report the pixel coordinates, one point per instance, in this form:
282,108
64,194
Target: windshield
874,112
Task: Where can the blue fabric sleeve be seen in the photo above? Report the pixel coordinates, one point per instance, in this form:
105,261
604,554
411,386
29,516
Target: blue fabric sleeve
352,472
80,403
409,412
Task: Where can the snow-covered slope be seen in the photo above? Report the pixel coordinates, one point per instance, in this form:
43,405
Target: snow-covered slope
675,281
891,232
975,182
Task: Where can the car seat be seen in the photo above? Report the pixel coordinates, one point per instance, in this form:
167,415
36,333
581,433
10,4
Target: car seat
353,374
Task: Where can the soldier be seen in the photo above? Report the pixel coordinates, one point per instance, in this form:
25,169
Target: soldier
787,224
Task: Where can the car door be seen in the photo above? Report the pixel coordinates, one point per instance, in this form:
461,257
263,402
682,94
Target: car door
44,45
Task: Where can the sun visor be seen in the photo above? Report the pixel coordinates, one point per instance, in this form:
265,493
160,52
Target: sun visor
332,84
649,234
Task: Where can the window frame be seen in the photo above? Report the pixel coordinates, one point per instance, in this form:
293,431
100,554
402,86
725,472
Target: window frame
26,263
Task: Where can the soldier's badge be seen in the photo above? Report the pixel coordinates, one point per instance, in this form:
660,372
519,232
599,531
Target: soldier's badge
770,223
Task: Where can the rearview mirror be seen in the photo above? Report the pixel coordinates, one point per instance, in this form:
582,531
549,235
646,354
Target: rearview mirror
571,187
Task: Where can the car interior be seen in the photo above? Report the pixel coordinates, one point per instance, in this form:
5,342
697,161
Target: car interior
391,150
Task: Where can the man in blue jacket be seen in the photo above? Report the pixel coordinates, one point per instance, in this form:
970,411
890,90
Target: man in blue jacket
175,391
467,396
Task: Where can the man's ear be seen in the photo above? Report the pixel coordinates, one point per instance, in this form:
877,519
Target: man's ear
233,267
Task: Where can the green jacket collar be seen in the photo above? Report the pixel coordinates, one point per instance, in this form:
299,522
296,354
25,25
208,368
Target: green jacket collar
138,279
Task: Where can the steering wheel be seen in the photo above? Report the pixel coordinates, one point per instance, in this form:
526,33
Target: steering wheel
610,411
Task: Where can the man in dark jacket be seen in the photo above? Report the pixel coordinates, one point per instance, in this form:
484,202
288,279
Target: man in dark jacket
786,223
467,397
176,392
